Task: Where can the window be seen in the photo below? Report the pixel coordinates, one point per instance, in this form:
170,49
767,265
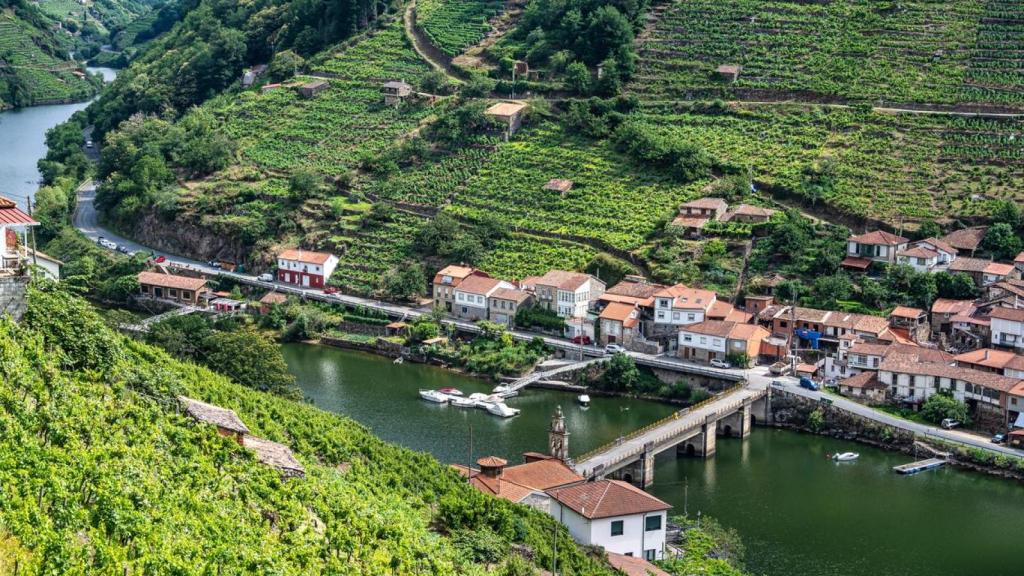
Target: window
690,317
703,340
173,293
675,315
616,527
652,523
716,342
650,555
687,338
186,294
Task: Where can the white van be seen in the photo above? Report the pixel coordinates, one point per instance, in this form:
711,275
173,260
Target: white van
265,277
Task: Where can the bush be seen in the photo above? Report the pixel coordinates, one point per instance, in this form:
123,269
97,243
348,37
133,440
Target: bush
816,421
938,407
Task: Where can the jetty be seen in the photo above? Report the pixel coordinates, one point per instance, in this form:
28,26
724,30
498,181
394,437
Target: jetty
919,466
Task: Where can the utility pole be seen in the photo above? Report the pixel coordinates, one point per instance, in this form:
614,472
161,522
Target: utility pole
792,329
32,232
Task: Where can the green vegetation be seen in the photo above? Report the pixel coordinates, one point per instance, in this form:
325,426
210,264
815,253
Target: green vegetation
454,25
940,406
102,474
710,549
494,353
942,52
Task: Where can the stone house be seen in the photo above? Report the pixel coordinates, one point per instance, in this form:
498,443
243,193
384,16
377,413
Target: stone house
311,89
473,294
568,294
620,324
509,115
505,302
395,92
446,280
226,420
171,287
1007,326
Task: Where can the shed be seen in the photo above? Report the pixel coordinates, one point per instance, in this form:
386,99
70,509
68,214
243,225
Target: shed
248,78
227,422
311,89
437,340
729,72
397,329
277,455
269,87
396,91
560,185
508,114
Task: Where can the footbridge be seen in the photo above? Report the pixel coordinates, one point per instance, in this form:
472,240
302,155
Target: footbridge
525,381
690,431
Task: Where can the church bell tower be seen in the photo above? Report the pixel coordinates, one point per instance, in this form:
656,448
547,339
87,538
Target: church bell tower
558,437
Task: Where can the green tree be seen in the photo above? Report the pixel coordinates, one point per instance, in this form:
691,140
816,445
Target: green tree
620,373
181,336
938,407
1006,212
405,282
958,286
577,78
1001,241
929,229
251,359
816,421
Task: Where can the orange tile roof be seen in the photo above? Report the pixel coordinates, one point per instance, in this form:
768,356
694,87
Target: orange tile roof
966,264
705,203
855,262
949,306
564,280
620,312
482,285
505,109
607,499
307,256
918,252
991,358
863,380
171,281
519,481
1019,258
513,294
966,239
999,269
880,237
274,298
634,565
939,245
906,312
1011,314
989,380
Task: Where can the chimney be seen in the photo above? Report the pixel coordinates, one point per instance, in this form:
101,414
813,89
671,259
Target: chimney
491,466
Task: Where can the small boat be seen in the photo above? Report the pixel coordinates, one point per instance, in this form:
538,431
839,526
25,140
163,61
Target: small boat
435,396
478,397
845,457
460,402
501,409
450,391
505,391
583,399
399,360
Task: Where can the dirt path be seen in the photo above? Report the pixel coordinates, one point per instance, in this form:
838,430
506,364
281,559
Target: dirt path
430,53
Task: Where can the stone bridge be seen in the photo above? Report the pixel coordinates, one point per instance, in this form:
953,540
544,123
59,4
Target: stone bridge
692,431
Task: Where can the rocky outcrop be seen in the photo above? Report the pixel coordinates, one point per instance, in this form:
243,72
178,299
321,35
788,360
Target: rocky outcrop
187,239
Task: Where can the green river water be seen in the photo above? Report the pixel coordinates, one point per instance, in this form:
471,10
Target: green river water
798,513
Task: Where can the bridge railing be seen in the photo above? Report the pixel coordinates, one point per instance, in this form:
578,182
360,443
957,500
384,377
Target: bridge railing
671,417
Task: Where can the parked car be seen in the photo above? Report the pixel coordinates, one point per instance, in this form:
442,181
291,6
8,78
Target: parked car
160,259
123,250
331,290
88,143
614,349
720,363
949,423
999,439
107,244
778,384
809,384
582,339
213,264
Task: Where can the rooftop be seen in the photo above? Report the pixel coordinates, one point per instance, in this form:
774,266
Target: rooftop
11,215
273,454
689,222
634,566
505,109
559,185
307,256
514,294
966,239
1011,314
939,244
564,280
989,380
991,358
171,281
918,252
948,306
482,285
607,499
710,202
907,312
999,269
210,414
879,237
519,481
621,312
274,298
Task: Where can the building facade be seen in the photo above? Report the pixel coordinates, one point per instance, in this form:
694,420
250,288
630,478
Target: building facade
305,268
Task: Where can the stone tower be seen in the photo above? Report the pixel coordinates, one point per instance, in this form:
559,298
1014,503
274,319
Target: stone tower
558,437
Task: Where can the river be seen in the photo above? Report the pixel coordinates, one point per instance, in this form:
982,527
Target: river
23,142
798,513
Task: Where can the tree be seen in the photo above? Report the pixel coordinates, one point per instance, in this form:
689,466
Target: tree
929,229
609,269
957,286
405,282
284,65
1006,212
577,78
828,289
621,373
940,406
816,420
1001,241
251,359
181,336
200,148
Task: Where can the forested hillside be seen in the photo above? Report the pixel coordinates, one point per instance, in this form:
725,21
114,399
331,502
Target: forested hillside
34,64
101,474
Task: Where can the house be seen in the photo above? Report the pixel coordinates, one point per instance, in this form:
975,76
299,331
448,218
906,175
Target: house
815,327
1018,263
275,455
505,302
396,91
620,324
12,221
720,340
966,240
875,246
471,297
973,267
912,323
509,115
706,208
920,258
1008,289
729,72
749,214
689,226
171,287
446,280
946,252
680,305
560,185
755,304
1007,326
47,266
271,299
997,272
865,387
524,483
856,356
614,515
1002,362
914,382
305,268
632,290
225,305
311,89
226,420
943,310
568,294
248,78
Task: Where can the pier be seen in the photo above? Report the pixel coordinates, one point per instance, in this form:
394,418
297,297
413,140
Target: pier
919,466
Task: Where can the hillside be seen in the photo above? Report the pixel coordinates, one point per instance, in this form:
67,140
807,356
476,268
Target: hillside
34,64
102,475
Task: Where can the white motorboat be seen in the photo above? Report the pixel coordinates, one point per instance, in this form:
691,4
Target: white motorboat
505,391
450,391
501,409
435,396
478,397
460,402
845,457
583,399
399,360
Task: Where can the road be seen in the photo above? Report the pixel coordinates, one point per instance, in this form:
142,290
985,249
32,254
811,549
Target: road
955,436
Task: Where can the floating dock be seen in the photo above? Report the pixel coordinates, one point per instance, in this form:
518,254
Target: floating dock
919,466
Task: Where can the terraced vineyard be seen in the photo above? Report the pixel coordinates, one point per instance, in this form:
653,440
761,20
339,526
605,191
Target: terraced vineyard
29,71
937,51
610,203
881,166
454,25
433,183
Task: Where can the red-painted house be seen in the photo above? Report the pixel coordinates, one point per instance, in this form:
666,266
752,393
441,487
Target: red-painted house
305,268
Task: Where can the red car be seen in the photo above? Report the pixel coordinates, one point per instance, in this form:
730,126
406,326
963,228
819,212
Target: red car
582,339
331,290
160,259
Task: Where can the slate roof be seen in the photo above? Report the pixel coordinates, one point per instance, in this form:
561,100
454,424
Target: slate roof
966,239
274,454
214,415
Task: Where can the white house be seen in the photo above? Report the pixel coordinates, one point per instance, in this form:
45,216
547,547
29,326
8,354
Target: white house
876,246
680,305
928,255
614,515
471,296
568,294
1007,327
996,272
305,268
914,381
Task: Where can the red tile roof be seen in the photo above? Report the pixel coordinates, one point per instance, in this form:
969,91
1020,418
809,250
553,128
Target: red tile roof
307,256
939,245
607,499
563,280
967,239
918,252
706,203
969,264
627,314
855,262
906,312
1011,314
989,380
880,237
519,481
948,306
999,269
991,358
513,294
634,565
171,281
11,215
863,380
482,285
456,273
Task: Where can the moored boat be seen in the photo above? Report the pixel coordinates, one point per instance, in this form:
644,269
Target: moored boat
450,391
583,399
460,402
501,409
505,391
435,396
